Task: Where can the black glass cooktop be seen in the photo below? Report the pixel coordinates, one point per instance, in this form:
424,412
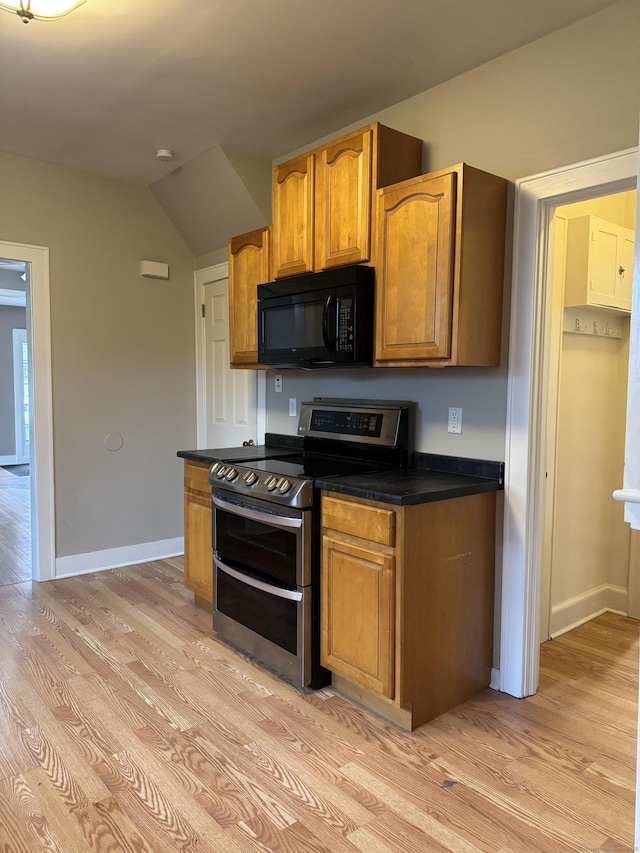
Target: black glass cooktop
311,467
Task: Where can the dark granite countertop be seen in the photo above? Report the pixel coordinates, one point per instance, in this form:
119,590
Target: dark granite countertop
275,446
431,478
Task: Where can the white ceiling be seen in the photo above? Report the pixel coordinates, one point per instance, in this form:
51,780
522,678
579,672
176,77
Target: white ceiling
103,88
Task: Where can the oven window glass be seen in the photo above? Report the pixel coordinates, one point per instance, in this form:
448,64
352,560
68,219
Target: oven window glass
245,543
271,617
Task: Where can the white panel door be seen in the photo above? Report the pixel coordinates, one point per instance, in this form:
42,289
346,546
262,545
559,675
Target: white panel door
228,396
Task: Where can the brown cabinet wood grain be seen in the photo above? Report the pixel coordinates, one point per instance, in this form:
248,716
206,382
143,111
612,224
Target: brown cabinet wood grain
407,627
293,216
198,557
440,269
249,265
358,613
322,201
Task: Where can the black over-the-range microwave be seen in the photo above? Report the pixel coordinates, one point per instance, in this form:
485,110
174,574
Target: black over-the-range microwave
322,319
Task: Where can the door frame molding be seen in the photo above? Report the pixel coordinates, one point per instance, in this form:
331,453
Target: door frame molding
536,198
204,276
42,454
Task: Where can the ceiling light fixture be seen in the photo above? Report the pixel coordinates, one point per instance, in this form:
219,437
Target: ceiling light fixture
41,10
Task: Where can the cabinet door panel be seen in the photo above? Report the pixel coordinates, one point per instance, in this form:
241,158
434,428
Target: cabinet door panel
293,216
414,289
343,201
603,269
599,263
198,558
249,256
357,614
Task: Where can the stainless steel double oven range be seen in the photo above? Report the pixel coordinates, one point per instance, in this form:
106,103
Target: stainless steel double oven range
266,530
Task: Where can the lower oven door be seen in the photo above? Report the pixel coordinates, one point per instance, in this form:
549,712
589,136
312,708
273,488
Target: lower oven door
264,619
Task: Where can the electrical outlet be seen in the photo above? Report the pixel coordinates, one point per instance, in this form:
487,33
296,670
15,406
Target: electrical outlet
293,407
278,383
455,420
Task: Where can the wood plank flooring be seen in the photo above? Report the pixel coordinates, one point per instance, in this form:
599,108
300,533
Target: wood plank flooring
15,528
126,726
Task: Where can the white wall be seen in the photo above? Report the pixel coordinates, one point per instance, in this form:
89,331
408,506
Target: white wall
545,105
122,351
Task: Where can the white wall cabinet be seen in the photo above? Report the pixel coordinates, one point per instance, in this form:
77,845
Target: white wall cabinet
599,267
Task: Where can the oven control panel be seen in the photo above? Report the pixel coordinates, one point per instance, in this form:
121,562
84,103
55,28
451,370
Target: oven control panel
380,422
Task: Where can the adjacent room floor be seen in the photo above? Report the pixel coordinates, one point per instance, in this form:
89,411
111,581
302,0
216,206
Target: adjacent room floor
15,525
126,726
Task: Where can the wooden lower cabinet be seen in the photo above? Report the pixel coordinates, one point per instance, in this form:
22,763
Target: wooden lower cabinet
198,559
407,614
359,643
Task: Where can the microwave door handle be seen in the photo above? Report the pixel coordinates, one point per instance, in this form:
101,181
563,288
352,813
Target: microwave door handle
329,344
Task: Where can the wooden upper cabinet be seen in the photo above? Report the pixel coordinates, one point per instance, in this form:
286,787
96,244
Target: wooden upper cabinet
440,269
343,201
322,201
599,263
293,216
249,266
415,269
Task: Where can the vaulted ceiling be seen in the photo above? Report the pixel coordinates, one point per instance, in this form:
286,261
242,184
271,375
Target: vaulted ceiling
106,86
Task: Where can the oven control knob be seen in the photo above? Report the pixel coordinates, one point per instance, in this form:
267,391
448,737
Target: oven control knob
250,478
222,470
214,467
231,474
284,486
271,483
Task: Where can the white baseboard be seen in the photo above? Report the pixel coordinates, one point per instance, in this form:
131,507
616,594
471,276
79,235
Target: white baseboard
114,558
9,460
618,600
494,684
582,608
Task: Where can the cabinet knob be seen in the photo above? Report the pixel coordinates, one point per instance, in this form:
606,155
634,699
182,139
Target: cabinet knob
621,270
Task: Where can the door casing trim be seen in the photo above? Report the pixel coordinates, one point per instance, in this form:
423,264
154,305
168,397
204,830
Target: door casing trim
42,454
536,198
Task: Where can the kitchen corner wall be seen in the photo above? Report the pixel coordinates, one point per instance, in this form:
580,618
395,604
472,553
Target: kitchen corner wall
122,351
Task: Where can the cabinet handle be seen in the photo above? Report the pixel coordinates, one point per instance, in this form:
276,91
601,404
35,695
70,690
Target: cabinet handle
290,595
621,270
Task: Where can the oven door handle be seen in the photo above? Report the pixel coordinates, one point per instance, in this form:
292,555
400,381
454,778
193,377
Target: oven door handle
256,515
290,594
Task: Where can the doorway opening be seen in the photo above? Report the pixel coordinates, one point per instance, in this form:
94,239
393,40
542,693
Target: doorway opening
15,425
38,545
21,393
588,560
523,540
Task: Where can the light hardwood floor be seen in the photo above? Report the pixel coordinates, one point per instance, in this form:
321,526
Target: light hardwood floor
125,726
15,528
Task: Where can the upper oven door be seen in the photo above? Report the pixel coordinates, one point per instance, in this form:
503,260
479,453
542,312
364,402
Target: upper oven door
262,537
